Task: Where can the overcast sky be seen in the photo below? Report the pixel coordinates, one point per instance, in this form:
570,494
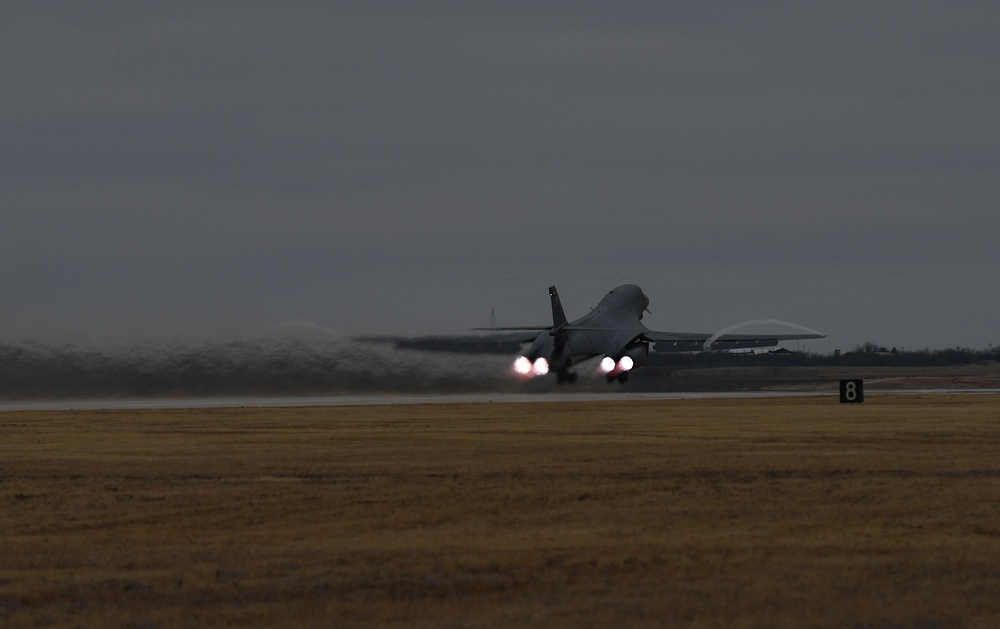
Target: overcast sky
192,169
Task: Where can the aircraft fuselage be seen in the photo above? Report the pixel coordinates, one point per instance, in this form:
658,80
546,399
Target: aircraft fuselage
613,329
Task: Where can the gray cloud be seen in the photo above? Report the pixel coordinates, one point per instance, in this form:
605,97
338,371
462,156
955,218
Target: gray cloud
212,169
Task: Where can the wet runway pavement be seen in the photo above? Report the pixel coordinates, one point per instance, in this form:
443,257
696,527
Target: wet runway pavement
391,399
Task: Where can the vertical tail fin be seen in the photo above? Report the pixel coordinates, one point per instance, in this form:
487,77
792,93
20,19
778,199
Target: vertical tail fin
558,316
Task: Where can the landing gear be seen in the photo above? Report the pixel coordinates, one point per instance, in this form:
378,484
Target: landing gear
621,377
566,377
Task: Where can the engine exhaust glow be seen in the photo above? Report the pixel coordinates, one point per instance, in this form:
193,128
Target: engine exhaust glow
522,365
541,367
607,364
626,363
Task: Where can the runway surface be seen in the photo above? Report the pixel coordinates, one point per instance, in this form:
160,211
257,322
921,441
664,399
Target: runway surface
467,398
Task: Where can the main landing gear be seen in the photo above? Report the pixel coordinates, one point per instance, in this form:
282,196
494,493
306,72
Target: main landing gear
566,377
621,377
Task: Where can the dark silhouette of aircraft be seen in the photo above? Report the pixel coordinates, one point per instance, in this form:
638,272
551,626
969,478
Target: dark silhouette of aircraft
614,330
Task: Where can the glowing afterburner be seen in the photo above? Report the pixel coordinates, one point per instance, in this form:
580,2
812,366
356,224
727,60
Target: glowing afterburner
522,365
541,366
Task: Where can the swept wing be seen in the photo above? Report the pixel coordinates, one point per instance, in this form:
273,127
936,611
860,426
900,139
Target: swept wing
696,341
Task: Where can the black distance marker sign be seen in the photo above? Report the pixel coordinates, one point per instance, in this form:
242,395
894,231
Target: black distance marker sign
852,391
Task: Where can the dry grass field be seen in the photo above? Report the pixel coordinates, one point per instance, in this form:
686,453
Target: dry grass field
785,512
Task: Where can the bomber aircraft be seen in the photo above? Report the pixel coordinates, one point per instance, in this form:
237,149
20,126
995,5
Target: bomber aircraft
614,330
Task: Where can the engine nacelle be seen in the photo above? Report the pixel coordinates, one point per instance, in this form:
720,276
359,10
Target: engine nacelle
637,354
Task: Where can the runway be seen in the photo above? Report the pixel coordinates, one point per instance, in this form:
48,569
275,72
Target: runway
466,398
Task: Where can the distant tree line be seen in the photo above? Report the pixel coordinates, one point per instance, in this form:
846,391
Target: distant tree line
867,354
871,354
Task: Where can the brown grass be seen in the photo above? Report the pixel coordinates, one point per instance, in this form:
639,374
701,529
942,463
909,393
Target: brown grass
791,512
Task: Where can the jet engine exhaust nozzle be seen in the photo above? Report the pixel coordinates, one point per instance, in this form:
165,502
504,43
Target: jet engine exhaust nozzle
523,366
